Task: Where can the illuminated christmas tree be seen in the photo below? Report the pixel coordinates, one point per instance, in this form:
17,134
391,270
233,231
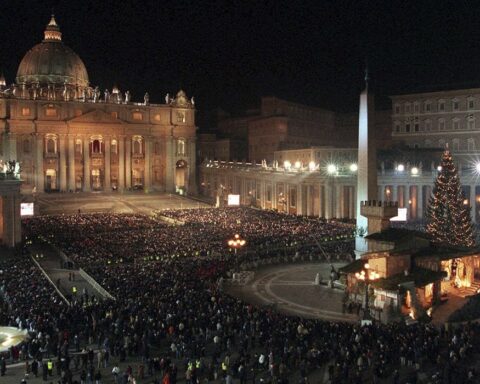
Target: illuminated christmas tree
448,218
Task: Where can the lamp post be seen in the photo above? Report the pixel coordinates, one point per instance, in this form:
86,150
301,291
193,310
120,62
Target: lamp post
367,276
236,243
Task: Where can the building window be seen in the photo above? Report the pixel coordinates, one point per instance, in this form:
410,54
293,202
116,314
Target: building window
180,147
26,146
471,104
137,145
114,114
428,125
407,127
25,111
441,106
471,144
456,144
96,146
428,106
416,127
180,117
78,146
416,108
407,108
51,145
455,105
114,147
456,124
157,117
137,116
441,125
397,127
51,112
397,109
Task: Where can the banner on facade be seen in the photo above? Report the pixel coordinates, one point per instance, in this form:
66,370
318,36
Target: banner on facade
26,209
233,200
401,215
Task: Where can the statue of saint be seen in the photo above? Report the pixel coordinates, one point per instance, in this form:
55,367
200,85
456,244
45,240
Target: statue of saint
84,94
192,100
167,98
127,97
107,96
96,94
65,92
146,99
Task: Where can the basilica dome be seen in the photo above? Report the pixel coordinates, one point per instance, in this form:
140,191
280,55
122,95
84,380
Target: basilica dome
52,62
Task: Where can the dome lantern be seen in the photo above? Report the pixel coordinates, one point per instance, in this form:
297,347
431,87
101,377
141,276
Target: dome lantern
52,32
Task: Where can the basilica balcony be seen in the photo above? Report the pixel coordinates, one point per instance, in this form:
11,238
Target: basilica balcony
50,155
138,155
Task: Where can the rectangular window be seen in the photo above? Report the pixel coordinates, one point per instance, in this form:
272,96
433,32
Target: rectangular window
417,127
441,106
427,107
407,128
471,104
471,124
137,116
428,126
114,115
455,105
397,109
51,112
25,111
456,124
407,108
180,117
441,125
416,108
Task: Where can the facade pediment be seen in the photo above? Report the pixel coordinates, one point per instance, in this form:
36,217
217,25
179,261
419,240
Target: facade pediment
96,116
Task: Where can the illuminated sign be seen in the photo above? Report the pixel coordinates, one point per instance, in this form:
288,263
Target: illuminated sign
233,200
401,215
26,209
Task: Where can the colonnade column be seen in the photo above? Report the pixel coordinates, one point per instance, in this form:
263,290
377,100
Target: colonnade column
351,202
40,173
339,201
309,201
108,174
473,203
86,164
148,166
328,201
274,195
394,192
321,201
128,162
12,223
299,201
121,163
71,163
420,201
63,164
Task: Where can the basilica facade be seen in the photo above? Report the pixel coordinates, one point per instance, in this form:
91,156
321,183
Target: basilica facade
70,136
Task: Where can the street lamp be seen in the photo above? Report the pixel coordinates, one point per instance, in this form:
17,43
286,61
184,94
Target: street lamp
367,276
236,243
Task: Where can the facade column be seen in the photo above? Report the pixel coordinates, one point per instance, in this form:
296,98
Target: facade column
148,167
394,192
339,201
351,202
169,165
192,166
473,203
321,200
309,201
274,195
40,173
299,201
420,201
121,163
128,162
107,186
86,164
71,163
328,201
63,164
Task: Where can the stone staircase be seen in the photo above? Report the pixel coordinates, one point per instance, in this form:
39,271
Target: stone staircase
469,291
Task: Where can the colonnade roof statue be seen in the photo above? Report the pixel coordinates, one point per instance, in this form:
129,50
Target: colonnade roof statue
51,62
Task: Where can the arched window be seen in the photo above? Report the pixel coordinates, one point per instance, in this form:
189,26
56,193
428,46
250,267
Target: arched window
428,125
113,147
96,146
51,144
471,123
137,145
181,147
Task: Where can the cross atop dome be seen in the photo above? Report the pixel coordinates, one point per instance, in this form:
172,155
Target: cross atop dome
52,32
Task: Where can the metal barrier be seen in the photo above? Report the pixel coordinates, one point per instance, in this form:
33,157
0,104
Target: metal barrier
50,280
94,284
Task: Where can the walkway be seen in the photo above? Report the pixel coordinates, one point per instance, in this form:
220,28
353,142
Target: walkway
64,279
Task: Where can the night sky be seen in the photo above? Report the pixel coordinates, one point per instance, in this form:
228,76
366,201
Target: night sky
228,55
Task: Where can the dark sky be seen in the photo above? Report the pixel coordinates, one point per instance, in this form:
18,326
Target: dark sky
228,54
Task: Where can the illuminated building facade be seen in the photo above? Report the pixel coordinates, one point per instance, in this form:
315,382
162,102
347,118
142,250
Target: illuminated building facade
70,136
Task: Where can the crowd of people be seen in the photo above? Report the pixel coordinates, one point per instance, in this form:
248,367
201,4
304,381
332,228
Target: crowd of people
171,315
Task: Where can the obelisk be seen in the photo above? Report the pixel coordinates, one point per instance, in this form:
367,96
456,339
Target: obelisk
367,161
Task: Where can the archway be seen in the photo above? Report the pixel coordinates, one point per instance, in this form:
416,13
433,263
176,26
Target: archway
181,177
50,180
96,180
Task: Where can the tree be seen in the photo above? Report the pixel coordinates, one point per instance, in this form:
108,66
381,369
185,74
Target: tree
448,217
